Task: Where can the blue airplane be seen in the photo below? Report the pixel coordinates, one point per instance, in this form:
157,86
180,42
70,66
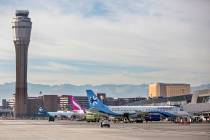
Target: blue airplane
166,111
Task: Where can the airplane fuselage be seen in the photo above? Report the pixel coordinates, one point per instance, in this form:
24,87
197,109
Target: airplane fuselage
169,110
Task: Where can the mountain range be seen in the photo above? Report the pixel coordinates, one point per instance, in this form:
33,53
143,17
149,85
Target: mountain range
112,90
125,90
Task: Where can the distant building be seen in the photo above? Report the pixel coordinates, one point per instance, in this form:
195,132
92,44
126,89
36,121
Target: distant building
83,101
124,101
7,108
50,102
101,96
110,101
6,112
11,102
33,103
5,104
64,102
168,90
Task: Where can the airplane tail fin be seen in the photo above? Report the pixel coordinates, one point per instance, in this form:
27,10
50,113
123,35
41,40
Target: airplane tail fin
95,103
75,105
42,111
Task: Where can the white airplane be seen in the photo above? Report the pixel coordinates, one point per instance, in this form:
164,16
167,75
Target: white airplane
166,111
77,111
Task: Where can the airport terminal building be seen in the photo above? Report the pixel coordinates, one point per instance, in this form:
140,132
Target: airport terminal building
200,102
197,102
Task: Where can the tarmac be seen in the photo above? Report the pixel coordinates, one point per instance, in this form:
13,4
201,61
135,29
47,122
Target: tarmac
72,130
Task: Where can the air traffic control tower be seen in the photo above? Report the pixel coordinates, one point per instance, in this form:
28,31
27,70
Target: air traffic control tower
21,26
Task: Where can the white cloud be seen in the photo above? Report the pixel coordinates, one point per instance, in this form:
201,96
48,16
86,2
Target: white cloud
54,67
170,36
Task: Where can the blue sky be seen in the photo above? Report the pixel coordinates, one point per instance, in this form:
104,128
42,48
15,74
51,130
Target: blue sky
112,41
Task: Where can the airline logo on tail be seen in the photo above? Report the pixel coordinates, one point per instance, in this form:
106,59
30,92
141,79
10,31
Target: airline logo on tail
75,105
95,103
42,111
93,100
